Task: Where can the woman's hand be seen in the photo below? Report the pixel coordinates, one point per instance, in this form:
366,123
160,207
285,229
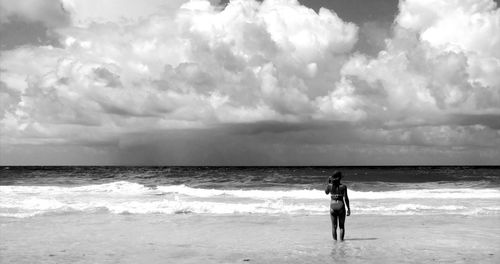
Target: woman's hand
348,212
328,188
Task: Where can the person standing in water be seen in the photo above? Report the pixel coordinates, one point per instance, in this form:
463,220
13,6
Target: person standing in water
339,201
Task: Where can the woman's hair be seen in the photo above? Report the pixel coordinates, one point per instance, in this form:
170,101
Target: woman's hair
337,174
335,178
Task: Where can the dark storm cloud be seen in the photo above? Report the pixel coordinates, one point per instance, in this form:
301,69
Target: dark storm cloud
51,13
333,146
488,120
272,127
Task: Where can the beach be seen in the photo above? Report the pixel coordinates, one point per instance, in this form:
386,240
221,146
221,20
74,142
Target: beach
247,215
196,238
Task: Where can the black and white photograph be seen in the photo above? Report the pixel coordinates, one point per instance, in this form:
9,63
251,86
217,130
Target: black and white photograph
249,131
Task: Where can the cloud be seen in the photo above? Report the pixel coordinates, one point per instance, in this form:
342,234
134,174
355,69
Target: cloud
435,83
49,12
469,27
248,62
431,65
253,72
84,13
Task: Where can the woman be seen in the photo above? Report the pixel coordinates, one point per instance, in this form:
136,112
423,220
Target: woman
338,193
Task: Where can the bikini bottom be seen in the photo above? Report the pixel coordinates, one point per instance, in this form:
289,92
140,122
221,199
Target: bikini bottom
337,208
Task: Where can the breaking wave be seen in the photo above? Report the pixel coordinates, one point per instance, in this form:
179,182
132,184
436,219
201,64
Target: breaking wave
124,197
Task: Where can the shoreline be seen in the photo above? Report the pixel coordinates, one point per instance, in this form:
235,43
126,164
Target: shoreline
195,238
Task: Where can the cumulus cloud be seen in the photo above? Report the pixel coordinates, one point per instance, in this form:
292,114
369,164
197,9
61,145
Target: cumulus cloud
441,62
429,64
87,12
248,62
199,65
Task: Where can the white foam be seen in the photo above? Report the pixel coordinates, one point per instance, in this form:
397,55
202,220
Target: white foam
464,193
201,207
120,187
255,194
129,188
164,207
126,197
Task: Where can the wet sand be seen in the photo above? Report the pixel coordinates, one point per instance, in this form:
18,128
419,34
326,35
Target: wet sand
191,238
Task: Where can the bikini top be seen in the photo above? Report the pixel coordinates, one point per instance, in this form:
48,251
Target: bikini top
336,196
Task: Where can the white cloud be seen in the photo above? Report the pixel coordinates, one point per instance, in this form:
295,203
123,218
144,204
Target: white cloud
443,58
86,12
157,66
470,27
202,65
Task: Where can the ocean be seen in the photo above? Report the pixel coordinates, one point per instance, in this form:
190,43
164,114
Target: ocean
32,191
247,215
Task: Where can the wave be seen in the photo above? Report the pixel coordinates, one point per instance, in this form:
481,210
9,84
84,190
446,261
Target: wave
129,188
126,197
219,208
465,193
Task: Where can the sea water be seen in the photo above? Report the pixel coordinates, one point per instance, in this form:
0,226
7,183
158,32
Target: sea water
33,191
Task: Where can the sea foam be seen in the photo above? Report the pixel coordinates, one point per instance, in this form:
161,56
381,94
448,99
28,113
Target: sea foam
129,188
128,197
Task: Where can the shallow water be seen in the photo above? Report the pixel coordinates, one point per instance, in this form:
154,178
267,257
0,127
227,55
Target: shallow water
106,238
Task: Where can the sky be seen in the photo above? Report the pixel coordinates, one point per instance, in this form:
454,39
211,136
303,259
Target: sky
244,82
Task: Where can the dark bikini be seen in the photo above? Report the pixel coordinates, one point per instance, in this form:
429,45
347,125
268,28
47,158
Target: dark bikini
337,202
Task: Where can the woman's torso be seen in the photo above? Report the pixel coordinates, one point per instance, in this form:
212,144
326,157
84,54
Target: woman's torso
337,196
337,192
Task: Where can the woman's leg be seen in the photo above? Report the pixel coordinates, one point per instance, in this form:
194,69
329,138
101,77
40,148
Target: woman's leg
341,224
333,217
